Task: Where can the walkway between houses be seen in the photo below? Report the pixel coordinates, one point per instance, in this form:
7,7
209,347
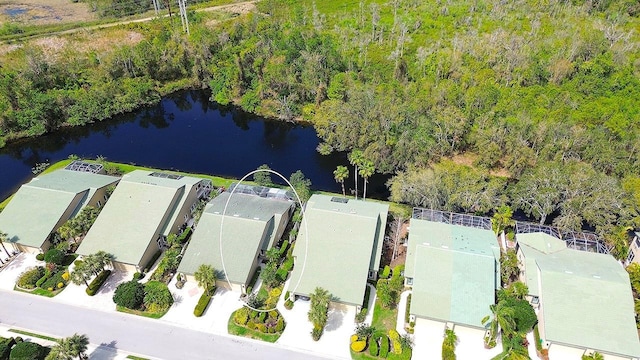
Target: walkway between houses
372,303
402,309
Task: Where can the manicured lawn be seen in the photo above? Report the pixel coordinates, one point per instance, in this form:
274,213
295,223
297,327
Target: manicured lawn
151,315
136,357
17,331
384,318
235,329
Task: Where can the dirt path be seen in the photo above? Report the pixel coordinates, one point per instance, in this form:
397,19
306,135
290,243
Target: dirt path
239,8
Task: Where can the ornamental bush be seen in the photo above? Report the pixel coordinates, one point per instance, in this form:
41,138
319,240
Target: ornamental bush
157,296
384,347
288,304
40,257
359,346
316,333
5,347
373,347
41,280
385,272
54,256
354,338
397,347
393,334
280,325
241,316
26,351
53,281
203,302
29,278
129,294
96,284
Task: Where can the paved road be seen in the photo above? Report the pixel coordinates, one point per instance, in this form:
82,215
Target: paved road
116,23
132,333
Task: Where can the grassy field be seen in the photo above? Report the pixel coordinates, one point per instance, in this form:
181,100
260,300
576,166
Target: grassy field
43,12
384,318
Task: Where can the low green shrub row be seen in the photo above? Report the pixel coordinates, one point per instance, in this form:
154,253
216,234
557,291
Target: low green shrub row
386,271
95,285
203,302
362,315
184,236
30,277
40,257
536,338
407,316
53,281
384,346
288,264
283,248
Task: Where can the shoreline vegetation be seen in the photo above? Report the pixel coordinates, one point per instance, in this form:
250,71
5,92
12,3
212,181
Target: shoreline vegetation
470,105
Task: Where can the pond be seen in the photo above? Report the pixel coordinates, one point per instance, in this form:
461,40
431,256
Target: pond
186,132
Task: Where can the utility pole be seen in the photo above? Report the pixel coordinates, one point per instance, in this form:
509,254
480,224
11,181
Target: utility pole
156,7
183,15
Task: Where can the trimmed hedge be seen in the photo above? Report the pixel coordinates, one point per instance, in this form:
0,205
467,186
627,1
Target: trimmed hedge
184,236
288,264
407,316
53,281
27,351
54,256
40,257
96,284
129,294
203,302
384,346
5,347
385,272
373,347
283,248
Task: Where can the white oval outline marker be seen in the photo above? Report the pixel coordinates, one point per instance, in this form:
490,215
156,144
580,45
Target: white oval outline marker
304,220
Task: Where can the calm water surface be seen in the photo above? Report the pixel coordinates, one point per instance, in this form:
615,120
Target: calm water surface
186,132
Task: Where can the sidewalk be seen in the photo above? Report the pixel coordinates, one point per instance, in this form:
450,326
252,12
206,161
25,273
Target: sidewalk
402,308
94,351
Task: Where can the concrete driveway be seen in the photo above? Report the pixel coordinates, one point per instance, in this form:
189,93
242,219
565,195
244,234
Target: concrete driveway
214,319
428,337
334,343
103,300
10,273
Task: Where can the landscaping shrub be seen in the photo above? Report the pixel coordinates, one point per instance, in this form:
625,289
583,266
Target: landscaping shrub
288,264
385,272
384,346
41,280
65,276
96,284
203,302
137,276
283,248
251,325
27,351
393,334
54,256
359,346
316,333
78,263
53,281
129,294
262,317
184,236
373,347
157,296
280,325
40,257
261,327
361,315
273,314
354,338
5,347
397,347
288,304
241,316
30,277
281,274
407,316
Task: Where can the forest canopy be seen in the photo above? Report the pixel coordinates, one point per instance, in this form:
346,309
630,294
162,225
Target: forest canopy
540,98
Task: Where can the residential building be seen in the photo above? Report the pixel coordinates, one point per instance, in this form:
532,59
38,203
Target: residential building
584,299
338,247
233,234
45,203
143,210
453,269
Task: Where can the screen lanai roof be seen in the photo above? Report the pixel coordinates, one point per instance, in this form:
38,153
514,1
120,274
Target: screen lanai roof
345,241
134,215
36,208
249,223
587,301
455,271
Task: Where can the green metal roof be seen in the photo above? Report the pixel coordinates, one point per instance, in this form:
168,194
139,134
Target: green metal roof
344,243
454,270
136,213
249,225
38,206
586,301
533,246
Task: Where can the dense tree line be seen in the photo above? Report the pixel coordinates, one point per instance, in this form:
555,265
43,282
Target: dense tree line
544,94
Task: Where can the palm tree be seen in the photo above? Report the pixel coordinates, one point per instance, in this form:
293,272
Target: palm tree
104,259
367,169
355,158
78,344
341,173
320,299
81,274
502,319
206,277
593,356
4,237
502,219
